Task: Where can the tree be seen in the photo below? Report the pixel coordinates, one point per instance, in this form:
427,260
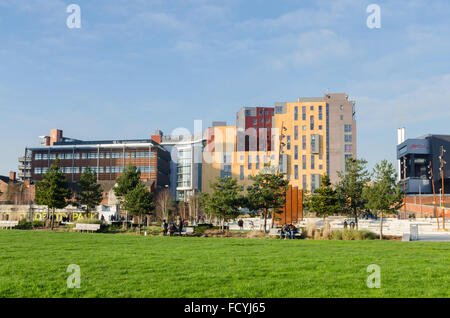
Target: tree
324,200
164,203
225,200
139,201
268,192
385,194
194,205
351,185
53,191
90,194
128,181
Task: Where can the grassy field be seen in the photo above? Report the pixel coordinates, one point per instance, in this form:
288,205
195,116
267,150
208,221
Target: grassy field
34,263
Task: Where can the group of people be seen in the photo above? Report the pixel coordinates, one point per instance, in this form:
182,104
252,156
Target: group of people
288,231
172,228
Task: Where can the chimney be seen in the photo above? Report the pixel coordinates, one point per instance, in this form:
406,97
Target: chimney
56,135
157,137
12,176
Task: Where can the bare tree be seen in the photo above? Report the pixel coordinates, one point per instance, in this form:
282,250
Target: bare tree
164,204
194,205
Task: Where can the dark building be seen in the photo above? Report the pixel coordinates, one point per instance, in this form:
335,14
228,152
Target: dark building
107,158
254,128
417,154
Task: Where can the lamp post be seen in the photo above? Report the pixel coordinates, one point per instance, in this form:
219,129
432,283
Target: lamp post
404,187
283,129
442,189
434,195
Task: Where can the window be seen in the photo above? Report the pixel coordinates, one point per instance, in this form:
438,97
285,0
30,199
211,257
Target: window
304,162
296,113
38,156
296,172
304,142
342,117
320,167
304,182
241,173
342,107
348,138
288,142
266,113
260,112
108,169
295,152
279,109
313,183
311,122
295,132
348,128
320,113
37,170
257,162
254,121
247,112
320,127
249,163
303,112
312,162
225,171
348,148
304,127
311,107
260,120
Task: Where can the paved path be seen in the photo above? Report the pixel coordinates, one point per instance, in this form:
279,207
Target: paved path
437,237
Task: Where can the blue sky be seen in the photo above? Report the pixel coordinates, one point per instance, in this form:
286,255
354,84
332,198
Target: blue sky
135,66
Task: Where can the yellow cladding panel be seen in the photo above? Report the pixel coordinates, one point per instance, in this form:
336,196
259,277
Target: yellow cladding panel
307,113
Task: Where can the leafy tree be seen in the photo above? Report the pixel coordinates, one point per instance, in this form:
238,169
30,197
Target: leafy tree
385,194
268,192
53,191
129,179
90,193
225,200
139,201
351,185
324,200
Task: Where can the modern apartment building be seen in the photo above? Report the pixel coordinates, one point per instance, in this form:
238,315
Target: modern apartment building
318,135
254,128
107,158
185,164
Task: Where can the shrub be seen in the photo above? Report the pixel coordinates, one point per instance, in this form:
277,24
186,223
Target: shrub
89,221
353,234
37,224
24,225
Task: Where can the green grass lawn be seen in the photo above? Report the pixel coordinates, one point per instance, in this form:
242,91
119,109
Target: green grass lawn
34,263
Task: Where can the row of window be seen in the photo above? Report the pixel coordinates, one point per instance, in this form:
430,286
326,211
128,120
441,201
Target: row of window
76,170
304,113
94,155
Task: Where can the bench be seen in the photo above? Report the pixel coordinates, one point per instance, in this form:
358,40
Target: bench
8,224
276,232
185,231
87,227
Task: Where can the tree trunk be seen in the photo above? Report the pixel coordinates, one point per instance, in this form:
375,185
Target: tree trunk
381,225
356,218
265,219
52,219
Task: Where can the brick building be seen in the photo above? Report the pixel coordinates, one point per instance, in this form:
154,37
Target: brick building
107,158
